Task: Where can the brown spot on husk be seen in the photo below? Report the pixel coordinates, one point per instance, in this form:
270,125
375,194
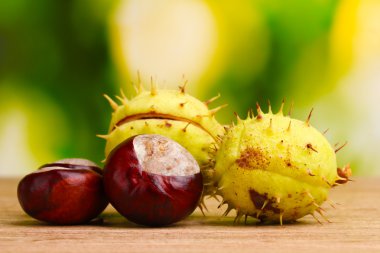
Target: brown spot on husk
253,158
258,201
287,161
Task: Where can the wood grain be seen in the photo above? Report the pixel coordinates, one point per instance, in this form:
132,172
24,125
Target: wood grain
355,227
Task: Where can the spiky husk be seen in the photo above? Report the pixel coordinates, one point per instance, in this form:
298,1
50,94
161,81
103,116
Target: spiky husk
275,168
172,113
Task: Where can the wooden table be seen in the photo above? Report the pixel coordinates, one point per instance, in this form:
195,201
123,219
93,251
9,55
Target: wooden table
355,227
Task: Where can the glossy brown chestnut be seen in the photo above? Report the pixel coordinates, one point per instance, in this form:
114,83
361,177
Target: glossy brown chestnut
65,192
152,180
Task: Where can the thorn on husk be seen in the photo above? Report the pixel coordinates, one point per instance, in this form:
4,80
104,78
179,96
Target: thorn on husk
123,94
153,88
270,124
221,204
212,99
259,112
103,136
215,110
309,117
237,117
182,88
251,115
289,126
291,109
280,111
312,214
238,217
112,103
184,129
139,87
228,210
310,146
322,215
122,100
342,146
269,107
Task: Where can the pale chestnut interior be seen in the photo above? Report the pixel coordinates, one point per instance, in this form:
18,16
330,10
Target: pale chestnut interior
163,156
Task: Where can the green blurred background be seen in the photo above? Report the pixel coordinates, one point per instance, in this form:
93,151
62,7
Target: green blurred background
57,58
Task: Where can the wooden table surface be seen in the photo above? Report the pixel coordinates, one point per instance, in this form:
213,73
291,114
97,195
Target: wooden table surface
355,227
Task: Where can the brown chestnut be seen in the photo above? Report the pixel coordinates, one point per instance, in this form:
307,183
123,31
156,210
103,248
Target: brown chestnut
65,192
152,180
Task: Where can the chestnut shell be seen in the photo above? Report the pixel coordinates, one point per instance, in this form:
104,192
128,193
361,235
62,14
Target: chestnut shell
146,198
74,195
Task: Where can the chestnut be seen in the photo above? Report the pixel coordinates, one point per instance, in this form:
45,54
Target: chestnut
65,192
152,180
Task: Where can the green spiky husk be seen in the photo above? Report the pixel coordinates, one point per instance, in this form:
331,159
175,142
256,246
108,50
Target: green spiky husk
171,113
274,168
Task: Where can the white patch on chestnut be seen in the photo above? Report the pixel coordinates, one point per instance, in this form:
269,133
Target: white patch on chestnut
46,169
87,164
77,161
160,155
